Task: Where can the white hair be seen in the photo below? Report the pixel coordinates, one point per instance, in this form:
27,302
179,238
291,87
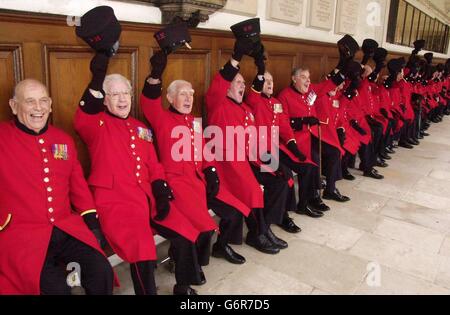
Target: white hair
115,77
296,71
175,85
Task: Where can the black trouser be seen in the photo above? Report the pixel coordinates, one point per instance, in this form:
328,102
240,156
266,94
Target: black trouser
188,256
388,138
143,276
308,178
377,137
276,191
346,160
367,156
95,272
331,162
231,220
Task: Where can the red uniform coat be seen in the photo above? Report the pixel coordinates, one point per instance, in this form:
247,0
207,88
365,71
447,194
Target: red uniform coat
41,181
353,108
370,102
269,112
406,90
329,121
186,177
123,165
222,112
296,105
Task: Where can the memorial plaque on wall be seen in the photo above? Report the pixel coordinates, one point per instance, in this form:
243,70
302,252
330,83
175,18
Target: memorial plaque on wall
321,14
243,7
347,16
289,11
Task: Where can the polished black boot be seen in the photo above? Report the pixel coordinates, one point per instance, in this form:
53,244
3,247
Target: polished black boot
278,242
346,175
179,289
336,195
318,205
228,253
373,174
261,243
307,210
289,225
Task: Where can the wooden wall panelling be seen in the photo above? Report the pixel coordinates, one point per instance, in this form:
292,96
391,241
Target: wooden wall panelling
315,64
11,72
280,65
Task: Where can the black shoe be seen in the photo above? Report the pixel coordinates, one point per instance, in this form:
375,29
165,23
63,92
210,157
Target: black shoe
405,145
228,253
289,225
373,174
348,176
306,210
262,243
425,134
336,195
278,242
384,156
381,163
413,141
390,151
183,290
318,205
202,280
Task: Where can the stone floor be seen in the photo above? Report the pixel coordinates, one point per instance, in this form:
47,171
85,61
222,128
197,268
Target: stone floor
391,238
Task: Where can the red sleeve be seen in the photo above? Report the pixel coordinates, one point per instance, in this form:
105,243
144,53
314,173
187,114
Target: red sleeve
152,110
323,87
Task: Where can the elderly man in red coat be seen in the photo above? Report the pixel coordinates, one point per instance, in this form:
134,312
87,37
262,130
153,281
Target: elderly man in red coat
129,186
244,178
299,103
41,183
195,180
269,114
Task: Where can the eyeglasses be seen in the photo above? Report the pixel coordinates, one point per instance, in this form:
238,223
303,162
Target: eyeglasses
115,95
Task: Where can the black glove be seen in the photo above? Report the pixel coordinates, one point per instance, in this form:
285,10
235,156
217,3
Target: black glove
384,112
296,123
91,221
242,46
292,146
98,67
163,194
212,181
260,64
341,135
311,120
159,63
358,128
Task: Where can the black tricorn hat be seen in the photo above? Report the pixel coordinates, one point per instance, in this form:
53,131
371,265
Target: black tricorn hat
247,29
419,44
369,46
348,45
99,28
380,55
173,37
428,57
395,65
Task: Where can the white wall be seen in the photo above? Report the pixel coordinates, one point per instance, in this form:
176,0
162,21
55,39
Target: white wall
144,13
